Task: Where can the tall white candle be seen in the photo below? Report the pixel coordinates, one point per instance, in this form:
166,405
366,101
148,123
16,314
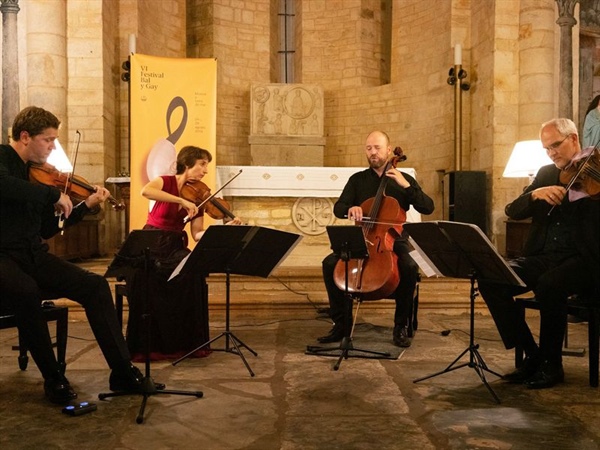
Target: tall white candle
457,55
132,43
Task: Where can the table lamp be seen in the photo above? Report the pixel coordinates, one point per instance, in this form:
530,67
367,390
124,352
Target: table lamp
526,159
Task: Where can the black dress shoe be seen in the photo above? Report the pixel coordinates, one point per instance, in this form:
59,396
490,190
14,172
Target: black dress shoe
401,336
336,334
58,390
131,380
523,373
546,376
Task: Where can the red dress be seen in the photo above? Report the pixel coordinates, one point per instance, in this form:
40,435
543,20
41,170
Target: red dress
178,309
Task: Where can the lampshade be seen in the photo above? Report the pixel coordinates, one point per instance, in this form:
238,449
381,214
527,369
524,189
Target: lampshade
58,158
526,159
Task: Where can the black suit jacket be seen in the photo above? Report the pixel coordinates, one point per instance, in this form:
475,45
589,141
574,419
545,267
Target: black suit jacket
585,219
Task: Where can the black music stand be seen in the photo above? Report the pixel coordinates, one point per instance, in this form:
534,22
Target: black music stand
136,252
461,250
241,250
349,243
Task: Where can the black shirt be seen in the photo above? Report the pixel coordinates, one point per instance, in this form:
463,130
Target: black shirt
26,208
364,185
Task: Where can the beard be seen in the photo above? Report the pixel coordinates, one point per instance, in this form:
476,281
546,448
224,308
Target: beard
376,163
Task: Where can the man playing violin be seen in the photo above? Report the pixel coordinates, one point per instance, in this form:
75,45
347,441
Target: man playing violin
179,308
561,258
360,187
28,273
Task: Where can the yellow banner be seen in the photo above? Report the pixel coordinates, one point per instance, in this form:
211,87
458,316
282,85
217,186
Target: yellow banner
173,104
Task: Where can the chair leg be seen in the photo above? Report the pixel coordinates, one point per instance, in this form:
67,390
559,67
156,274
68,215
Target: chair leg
519,348
594,344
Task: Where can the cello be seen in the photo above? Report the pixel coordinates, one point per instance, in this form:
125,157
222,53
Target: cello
377,276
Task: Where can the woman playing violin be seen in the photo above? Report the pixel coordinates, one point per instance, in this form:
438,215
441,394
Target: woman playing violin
179,308
29,274
360,187
561,258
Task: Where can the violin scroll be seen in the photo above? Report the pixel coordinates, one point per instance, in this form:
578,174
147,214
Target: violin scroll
398,157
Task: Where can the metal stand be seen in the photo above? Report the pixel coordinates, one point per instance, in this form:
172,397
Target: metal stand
461,250
148,386
243,250
228,335
351,246
476,361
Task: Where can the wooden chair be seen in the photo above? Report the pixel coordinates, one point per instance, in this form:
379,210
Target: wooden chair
581,307
60,314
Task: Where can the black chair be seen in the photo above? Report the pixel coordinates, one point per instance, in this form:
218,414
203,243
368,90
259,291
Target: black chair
52,312
580,307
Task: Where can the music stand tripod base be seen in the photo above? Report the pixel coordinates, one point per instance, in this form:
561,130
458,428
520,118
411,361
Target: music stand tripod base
138,245
242,250
461,250
349,243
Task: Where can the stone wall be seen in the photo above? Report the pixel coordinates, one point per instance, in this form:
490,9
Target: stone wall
71,52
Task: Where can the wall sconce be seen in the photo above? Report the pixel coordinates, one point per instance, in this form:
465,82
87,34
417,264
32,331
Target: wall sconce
455,77
126,76
462,74
526,159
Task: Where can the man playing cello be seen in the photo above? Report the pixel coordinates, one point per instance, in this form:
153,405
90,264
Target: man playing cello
360,187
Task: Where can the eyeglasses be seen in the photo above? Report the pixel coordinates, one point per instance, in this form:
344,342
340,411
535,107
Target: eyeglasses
557,144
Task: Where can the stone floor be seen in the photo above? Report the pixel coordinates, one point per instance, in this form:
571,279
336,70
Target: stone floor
296,401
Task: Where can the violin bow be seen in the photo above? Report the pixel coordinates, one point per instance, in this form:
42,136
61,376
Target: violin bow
186,219
61,220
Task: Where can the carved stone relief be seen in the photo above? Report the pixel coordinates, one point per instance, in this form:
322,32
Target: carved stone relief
312,215
287,110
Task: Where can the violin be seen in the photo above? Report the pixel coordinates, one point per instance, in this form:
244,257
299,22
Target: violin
78,189
583,174
199,193
377,276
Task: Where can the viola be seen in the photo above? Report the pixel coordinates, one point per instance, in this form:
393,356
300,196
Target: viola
77,188
583,174
199,193
377,276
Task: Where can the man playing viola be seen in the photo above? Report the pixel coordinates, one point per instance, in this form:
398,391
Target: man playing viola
28,273
360,187
561,258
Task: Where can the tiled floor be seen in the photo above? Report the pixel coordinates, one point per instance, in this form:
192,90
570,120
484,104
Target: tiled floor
296,401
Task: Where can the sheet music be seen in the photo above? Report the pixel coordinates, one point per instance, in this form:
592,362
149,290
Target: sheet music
241,250
459,250
179,267
425,264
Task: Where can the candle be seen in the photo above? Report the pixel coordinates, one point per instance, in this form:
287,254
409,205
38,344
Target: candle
132,43
457,55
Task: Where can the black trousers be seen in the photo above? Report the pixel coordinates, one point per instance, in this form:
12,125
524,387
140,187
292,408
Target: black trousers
553,279
28,277
404,294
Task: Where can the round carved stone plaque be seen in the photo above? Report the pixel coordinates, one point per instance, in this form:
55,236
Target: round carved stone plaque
312,215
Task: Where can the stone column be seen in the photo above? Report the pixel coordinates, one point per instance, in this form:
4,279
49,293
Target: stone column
566,21
47,59
10,67
536,75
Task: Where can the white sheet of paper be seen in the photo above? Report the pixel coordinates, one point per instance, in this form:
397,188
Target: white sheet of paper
429,269
179,267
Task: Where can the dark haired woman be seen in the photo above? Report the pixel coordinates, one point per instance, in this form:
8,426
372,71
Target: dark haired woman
178,309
